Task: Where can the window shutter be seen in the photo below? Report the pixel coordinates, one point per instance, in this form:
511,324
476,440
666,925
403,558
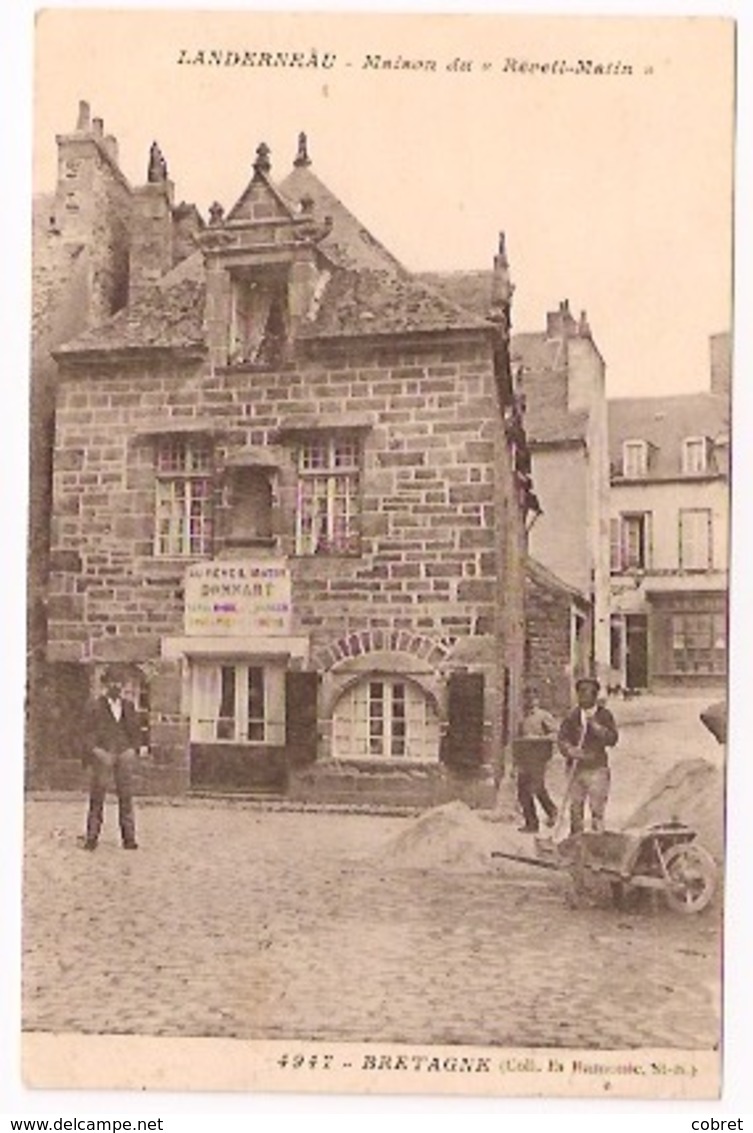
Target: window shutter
301,730
462,743
615,547
648,540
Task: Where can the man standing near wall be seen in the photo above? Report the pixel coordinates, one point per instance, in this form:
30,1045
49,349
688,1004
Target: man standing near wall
584,736
112,743
533,750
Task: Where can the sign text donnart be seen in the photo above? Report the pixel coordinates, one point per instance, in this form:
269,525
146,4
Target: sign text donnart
238,598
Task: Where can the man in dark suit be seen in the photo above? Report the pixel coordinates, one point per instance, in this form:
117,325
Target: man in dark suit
113,740
584,736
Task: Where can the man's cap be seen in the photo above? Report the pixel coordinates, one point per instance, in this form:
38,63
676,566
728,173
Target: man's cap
583,682
112,673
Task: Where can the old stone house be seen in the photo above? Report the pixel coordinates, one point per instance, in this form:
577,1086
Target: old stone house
290,484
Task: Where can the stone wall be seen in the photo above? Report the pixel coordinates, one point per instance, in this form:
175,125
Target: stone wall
428,527
548,668
439,541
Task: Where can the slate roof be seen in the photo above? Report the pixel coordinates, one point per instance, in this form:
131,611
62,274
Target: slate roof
169,315
469,289
665,422
383,302
368,293
349,244
539,574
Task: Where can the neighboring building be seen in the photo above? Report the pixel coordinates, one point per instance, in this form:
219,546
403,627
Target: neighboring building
560,374
558,646
669,535
290,486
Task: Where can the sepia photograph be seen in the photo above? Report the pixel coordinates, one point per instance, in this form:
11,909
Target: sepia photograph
378,553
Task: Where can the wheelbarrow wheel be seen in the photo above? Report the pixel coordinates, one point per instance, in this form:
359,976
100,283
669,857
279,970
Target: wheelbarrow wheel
691,878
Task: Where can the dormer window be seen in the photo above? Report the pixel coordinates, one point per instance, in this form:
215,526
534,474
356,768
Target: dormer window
259,319
634,459
695,455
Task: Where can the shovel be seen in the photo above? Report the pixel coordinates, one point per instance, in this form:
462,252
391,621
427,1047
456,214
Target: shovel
547,847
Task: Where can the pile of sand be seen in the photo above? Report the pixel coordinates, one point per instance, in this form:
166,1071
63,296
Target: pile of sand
692,792
449,836
453,837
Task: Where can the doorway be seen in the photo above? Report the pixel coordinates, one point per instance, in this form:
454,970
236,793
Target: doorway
636,653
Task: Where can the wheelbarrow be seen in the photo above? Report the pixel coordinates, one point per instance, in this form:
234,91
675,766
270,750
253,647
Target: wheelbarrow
665,858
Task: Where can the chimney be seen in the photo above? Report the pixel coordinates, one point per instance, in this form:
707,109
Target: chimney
721,363
83,123
187,227
90,200
151,252
560,323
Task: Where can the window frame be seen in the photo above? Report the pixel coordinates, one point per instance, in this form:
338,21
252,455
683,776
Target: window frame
188,478
273,720
639,447
360,700
620,543
682,515
330,477
700,444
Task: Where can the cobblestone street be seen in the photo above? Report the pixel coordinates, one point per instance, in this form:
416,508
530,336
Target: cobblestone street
234,921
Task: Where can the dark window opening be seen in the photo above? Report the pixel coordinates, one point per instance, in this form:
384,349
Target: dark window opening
250,502
259,322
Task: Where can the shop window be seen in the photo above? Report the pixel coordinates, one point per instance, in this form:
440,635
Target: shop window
695,538
234,702
259,322
183,497
699,643
328,501
386,718
250,499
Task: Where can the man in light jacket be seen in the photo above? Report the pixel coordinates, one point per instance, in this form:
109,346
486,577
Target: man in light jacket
583,738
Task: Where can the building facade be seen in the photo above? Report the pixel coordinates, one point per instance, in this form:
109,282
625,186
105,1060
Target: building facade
289,494
669,535
561,374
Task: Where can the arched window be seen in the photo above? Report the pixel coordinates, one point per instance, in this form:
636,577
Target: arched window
385,717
